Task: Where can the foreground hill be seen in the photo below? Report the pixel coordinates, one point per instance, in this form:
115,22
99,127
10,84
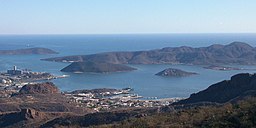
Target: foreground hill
224,91
235,99
27,51
40,88
35,104
96,67
234,53
241,114
237,109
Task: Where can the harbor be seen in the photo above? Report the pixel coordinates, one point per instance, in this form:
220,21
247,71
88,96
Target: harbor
107,99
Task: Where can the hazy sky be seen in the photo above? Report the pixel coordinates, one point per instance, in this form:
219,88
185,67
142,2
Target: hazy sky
127,16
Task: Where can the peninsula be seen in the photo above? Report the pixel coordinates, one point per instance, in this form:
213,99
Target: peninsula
233,53
36,50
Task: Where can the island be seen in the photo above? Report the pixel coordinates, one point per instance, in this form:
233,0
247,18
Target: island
171,72
77,67
217,54
36,50
222,68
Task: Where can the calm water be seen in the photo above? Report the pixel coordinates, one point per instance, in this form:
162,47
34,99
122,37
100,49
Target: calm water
142,80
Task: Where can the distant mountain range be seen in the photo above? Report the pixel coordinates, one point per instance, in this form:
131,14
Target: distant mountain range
27,51
234,53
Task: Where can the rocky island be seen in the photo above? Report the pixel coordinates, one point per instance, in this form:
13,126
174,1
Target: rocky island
171,72
28,51
96,67
217,54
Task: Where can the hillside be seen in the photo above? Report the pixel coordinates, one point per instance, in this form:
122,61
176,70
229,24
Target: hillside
224,91
238,96
96,67
39,88
27,51
235,107
237,115
234,53
35,104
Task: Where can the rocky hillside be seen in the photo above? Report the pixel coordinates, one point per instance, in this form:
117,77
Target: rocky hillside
234,53
240,112
171,72
36,104
238,115
39,88
27,51
237,98
96,67
224,91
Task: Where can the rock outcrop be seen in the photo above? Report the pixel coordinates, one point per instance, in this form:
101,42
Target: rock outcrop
39,88
171,72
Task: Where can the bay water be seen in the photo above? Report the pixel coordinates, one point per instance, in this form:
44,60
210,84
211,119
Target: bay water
144,81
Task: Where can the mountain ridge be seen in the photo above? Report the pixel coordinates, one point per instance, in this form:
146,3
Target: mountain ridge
233,53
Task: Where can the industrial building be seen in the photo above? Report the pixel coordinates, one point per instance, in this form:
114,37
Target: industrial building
14,71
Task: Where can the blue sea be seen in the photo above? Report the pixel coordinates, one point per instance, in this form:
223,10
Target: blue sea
143,80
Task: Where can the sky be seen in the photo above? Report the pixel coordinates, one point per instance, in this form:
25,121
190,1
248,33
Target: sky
127,16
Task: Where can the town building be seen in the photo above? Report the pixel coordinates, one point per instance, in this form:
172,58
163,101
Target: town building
14,71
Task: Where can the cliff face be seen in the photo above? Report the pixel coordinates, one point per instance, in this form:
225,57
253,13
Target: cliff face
96,67
224,91
27,51
234,53
170,72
